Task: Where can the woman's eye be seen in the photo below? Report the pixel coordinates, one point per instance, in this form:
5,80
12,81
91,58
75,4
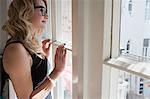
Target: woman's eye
41,9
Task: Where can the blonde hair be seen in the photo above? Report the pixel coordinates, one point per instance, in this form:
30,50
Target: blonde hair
19,25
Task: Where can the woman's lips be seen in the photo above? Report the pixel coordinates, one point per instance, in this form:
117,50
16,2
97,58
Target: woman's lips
43,21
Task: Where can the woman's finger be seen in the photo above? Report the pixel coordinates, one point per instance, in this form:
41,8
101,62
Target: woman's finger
57,53
45,41
65,52
49,44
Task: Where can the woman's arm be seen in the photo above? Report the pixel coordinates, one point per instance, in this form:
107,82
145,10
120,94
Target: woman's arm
44,88
17,63
48,82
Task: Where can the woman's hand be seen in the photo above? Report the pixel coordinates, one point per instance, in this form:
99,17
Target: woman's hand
46,44
59,61
60,58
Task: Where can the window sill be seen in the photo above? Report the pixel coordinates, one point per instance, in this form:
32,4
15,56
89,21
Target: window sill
132,66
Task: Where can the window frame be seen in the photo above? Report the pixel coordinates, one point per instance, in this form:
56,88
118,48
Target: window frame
110,48
88,21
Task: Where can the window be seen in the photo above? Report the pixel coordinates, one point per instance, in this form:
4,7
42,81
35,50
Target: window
62,33
147,10
132,86
145,47
129,62
131,33
130,8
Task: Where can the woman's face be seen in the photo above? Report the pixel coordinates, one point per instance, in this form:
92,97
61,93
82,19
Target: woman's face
40,16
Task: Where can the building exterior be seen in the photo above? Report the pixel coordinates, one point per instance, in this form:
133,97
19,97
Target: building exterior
134,40
135,27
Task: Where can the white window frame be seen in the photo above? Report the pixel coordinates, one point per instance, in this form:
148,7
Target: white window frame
110,75
88,22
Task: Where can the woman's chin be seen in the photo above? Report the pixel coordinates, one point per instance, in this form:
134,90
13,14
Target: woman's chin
43,26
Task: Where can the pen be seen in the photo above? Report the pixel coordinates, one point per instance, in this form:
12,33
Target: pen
57,43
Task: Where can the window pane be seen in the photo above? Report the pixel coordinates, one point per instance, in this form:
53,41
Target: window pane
64,35
135,28
67,77
64,21
63,89
132,87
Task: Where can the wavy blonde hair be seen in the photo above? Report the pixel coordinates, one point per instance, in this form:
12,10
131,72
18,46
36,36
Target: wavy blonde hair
19,25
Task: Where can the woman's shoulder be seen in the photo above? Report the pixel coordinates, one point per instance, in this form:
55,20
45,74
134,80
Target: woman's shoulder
15,49
14,56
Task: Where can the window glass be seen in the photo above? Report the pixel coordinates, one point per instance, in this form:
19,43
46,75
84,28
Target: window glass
135,28
147,10
64,35
64,21
132,87
134,44
67,77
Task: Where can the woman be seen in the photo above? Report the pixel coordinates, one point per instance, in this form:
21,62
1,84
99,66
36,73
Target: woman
24,57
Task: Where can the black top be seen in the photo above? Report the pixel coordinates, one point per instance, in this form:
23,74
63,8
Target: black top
38,69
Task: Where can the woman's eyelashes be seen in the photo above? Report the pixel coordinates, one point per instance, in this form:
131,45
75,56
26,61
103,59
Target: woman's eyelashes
43,10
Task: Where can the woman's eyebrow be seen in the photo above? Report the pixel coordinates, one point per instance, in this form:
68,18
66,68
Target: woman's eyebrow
38,6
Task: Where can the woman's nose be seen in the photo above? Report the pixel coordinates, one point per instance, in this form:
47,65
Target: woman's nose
46,16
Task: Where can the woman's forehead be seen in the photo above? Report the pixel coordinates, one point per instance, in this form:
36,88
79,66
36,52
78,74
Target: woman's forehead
40,2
